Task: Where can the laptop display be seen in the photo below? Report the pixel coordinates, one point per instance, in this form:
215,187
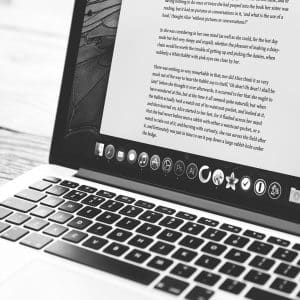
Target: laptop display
189,96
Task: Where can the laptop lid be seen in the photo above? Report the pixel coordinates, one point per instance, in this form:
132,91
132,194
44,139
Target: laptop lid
186,96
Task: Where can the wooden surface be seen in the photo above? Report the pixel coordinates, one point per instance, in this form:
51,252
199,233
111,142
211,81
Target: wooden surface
34,36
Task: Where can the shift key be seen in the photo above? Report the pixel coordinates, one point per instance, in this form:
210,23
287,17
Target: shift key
18,204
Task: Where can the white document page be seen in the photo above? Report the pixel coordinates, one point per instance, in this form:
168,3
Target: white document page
214,78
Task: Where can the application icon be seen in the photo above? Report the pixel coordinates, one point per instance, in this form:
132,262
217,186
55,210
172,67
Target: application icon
246,183
110,151
143,160
218,177
99,149
120,156
295,196
179,168
155,162
191,171
167,165
232,181
260,187
205,174
274,190
132,156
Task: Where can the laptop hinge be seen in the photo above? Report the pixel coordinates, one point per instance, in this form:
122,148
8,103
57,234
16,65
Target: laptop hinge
190,201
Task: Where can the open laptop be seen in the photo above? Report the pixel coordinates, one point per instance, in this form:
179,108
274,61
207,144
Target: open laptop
174,170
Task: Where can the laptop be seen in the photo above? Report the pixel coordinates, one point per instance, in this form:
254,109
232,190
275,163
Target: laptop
174,170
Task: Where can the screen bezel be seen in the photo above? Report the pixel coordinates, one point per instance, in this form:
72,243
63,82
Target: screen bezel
59,157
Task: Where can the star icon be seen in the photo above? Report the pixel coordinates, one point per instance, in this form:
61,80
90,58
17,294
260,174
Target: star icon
231,181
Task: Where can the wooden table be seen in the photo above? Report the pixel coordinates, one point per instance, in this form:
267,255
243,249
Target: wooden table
34,36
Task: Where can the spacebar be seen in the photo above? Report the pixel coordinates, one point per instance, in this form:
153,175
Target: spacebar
102,262
258,294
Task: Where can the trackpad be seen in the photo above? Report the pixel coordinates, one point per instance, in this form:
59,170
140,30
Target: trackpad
42,280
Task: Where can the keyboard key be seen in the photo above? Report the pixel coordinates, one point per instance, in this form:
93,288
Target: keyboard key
214,248
208,222
106,194
89,212
128,223
148,229
260,247
4,212
40,186
171,285
36,224
87,189
31,195
102,262
140,241
186,216
237,241
214,234
192,228
99,229
95,243
237,255
18,204
233,286
120,235
296,247
285,254
108,217
137,256
79,223
69,184
74,236
3,226
283,285
93,200
17,218
162,248
42,212
278,241
191,242
13,234
144,204
287,270
169,235
52,179
57,190
52,201
70,207
262,263
257,277
171,222
60,217
55,230
116,249
160,263
131,211
184,271
207,278
231,228
232,269
150,216
75,196
184,255
258,294
125,199
208,262
165,210
36,241
112,205
254,234
199,293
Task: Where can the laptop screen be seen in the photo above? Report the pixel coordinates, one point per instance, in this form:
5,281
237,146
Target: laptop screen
200,97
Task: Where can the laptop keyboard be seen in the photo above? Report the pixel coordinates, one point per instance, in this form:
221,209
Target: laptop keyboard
150,244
